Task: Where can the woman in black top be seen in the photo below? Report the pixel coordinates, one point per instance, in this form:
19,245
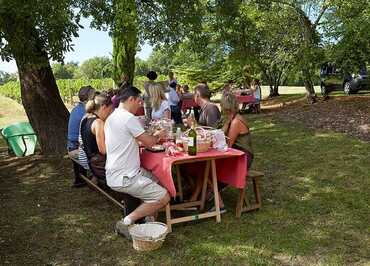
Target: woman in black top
92,132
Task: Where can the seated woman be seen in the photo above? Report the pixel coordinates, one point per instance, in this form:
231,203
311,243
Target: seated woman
92,132
93,140
236,130
236,127
160,106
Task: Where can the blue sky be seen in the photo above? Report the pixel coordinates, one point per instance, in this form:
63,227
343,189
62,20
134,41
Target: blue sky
90,43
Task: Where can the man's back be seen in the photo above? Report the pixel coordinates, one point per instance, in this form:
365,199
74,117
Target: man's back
74,123
121,129
209,115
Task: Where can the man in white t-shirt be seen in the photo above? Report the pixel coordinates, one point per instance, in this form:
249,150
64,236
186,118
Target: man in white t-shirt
123,131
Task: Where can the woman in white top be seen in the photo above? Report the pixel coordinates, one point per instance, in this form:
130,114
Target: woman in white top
160,106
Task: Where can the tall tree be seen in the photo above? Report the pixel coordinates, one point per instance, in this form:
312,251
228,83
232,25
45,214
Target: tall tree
310,13
346,29
125,39
161,22
32,32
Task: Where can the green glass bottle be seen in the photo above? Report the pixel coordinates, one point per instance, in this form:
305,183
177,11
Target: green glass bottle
192,141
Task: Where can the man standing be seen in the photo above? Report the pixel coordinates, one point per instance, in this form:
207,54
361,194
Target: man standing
123,132
152,76
173,100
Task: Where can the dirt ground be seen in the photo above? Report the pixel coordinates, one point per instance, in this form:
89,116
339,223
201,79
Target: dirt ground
344,114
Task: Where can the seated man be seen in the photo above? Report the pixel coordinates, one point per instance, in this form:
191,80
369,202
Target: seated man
75,117
123,131
209,113
209,116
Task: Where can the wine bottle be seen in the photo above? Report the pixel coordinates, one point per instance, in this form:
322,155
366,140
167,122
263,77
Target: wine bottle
192,141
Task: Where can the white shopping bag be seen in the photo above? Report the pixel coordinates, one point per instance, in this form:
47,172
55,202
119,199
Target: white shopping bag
219,140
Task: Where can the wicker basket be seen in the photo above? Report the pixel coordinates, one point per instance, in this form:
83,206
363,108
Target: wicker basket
149,236
202,145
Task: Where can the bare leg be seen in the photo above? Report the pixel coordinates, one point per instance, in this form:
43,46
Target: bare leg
198,188
148,209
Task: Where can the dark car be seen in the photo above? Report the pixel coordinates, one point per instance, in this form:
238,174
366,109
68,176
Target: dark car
334,79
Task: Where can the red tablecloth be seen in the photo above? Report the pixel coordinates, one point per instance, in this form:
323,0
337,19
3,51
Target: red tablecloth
245,98
188,103
231,166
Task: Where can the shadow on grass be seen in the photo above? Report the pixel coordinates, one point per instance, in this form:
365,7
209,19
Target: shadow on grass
315,211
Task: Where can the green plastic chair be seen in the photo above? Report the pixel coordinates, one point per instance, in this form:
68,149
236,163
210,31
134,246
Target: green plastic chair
21,138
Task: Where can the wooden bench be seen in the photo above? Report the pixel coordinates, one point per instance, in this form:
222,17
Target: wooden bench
98,187
243,204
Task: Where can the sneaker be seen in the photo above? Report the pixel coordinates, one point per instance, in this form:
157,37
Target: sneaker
222,210
79,184
122,229
221,188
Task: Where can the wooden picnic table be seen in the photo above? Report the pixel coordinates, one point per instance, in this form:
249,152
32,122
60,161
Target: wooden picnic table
215,164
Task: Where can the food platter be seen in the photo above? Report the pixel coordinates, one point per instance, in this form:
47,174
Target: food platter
155,148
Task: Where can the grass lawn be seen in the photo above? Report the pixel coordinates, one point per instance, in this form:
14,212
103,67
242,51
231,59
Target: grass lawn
315,210
10,112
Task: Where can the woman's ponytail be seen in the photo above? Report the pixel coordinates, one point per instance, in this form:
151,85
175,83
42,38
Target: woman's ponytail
99,100
90,106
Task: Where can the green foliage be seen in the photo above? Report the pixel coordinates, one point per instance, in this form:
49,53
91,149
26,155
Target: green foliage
65,71
347,29
159,22
67,87
25,25
96,68
141,67
125,39
70,87
160,61
6,77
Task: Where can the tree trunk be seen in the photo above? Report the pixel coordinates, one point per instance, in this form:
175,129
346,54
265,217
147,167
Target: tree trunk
39,92
274,85
308,84
44,106
274,91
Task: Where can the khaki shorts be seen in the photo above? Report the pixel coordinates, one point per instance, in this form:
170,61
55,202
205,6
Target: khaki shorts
142,186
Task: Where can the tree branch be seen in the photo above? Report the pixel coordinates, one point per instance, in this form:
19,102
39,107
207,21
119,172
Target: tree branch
324,7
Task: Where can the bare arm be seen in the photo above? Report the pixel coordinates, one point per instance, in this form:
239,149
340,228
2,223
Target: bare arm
236,128
97,129
149,140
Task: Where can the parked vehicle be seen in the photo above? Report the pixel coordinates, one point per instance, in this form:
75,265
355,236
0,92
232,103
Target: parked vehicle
335,79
